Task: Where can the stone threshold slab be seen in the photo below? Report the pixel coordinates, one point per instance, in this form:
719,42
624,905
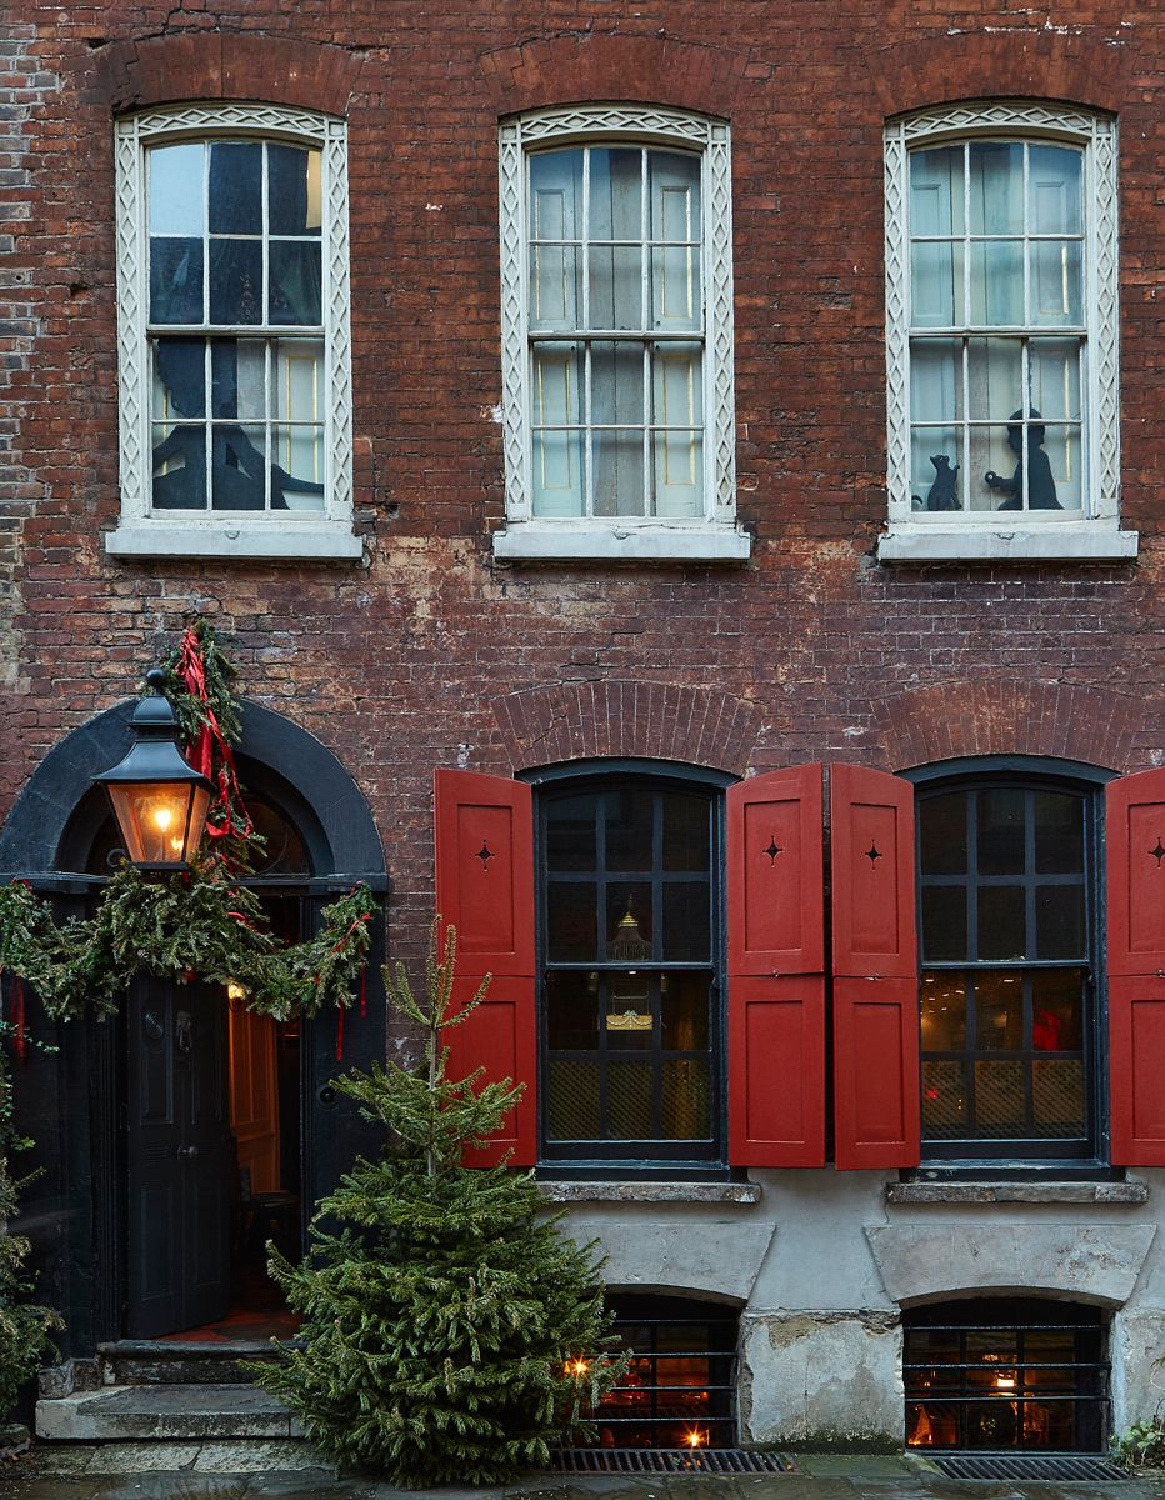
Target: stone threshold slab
192,1413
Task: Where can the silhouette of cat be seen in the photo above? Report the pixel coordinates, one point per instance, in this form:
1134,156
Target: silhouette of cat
943,493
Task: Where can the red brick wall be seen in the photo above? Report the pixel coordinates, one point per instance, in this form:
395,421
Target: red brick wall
428,653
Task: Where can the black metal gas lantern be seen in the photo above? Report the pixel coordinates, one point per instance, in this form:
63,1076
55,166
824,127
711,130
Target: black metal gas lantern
160,802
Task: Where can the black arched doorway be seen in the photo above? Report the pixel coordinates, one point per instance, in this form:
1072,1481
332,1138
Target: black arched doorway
140,1214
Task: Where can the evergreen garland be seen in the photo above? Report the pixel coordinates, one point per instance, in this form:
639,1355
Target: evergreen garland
450,1333
25,1327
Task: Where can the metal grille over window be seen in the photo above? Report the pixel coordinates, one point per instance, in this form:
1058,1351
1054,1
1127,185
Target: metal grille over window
679,1390
630,946
1006,994
235,326
1006,1374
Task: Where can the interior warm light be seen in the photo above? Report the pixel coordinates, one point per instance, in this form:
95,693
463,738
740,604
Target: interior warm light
1005,1382
577,1367
163,817
694,1438
236,993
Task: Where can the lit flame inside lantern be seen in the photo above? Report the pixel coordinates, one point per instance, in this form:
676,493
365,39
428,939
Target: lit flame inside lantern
576,1367
1005,1382
236,993
694,1438
162,817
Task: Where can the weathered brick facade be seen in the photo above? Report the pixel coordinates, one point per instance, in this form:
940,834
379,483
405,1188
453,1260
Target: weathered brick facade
429,652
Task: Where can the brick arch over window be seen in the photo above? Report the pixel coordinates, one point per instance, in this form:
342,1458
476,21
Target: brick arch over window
950,720
134,75
1011,64
632,69
653,720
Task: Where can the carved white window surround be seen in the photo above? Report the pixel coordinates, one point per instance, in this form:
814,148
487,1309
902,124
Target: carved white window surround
142,531
1093,531
713,534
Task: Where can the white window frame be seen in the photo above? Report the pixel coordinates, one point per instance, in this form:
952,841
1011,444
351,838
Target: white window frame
143,531
714,535
989,535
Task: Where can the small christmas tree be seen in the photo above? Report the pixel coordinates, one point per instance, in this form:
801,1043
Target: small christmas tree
450,1333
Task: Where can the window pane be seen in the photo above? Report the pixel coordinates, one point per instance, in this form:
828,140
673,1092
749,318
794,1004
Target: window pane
684,1012
996,169
555,287
936,284
629,819
1056,282
944,923
294,192
298,393
1059,821
684,1099
570,921
1057,1006
628,921
1058,1098
1054,366
936,191
994,378
1064,472
674,178
944,1101
686,834
179,384
997,282
238,478
936,462
238,378
687,934
617,470
558,454
999,1103
1060,921
616,287
629,1101
295,283
179,467
297,477
616,211
570,834
572,1100
1002,925
1054,189
572,1011
1000,831
999,1012
943,1002
942,834
176,191
236,281
175,281
236,177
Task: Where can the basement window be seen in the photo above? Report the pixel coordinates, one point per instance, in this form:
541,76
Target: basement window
1005,1374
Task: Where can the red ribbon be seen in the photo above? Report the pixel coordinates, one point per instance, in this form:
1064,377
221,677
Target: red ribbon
20,1031
339,1033
209,745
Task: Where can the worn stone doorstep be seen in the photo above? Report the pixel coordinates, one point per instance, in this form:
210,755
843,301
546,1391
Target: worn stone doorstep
136,1413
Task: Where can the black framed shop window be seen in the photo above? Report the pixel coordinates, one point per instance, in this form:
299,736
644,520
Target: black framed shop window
679,1390
1005,1374
1008,996
631,957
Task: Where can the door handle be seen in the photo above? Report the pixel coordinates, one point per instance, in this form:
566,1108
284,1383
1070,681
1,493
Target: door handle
185,1152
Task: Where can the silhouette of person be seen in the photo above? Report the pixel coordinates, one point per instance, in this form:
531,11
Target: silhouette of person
1041,487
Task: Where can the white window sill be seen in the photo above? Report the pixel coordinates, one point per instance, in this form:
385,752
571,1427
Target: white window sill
533,541
649,1192
221,537
997,540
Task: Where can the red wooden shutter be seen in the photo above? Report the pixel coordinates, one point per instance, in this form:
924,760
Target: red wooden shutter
1135,840
485,889
776,962
875,969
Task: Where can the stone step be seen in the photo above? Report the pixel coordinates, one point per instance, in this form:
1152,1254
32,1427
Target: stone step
161,1362
144,1413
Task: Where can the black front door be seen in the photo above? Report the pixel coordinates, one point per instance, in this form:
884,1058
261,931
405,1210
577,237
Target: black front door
179,1160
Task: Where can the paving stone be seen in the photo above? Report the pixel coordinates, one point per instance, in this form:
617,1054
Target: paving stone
260,1456
118,1459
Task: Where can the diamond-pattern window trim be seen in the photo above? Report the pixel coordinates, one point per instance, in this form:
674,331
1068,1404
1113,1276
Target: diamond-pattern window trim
631,123
1098,135
133,134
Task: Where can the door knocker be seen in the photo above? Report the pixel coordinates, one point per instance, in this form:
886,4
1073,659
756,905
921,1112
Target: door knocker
184,1031
153,1028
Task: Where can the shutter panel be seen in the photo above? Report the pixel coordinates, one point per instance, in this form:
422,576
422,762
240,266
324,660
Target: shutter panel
1135,841
776,984
485,889
875,968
